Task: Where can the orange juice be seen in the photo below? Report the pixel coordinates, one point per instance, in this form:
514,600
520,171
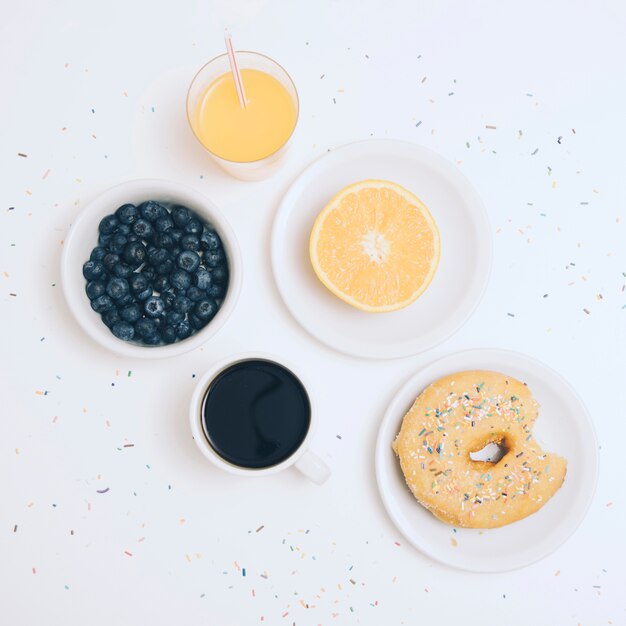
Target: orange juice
245,134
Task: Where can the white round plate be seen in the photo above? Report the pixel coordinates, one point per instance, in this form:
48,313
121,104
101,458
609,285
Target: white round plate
563,426
466,250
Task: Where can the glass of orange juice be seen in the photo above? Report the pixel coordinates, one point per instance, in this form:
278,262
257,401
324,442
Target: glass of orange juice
248,142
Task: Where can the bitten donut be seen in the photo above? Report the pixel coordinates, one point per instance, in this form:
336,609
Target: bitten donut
459,415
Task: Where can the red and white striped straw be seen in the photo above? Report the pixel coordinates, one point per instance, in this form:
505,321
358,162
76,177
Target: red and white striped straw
234,68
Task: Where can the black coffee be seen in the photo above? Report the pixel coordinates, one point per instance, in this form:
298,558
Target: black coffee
256,414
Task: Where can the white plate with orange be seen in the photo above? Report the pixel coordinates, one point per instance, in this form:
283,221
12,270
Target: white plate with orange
464,251
563,427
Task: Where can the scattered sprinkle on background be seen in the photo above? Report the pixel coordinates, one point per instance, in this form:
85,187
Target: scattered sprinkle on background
109,513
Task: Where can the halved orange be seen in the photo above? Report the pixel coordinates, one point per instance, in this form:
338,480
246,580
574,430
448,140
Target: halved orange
375,245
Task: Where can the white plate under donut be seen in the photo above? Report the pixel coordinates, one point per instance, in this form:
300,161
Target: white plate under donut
563,426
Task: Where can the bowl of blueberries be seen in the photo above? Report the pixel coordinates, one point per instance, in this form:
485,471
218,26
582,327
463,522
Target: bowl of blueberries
151,268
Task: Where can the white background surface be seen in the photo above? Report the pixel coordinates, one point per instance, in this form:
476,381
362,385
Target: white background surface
93,94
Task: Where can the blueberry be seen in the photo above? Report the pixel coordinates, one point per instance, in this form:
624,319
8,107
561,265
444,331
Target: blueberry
110,317
142,228
196,322
183,329
154,306
149,272
122,270
216,291
132,237
195,294
203,279
94,270
176,234
117,288
168,334
152,340
130,313
156,256
205,309
145,326
193,226
164,240
174,317
111,260
180,279
162,284
104,238
210,240
165,268
138,282
124,301
124,229
190,242
144,295
181,215
134,253
163,224
108,225
188,261
94,289
123,330
98,253
102,303
182,304
168,299
127,214
117,243
213,259
220,274
152,210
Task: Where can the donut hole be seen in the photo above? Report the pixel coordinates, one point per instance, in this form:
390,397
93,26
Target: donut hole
492,452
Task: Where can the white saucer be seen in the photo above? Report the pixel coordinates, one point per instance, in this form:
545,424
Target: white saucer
466,250
563,426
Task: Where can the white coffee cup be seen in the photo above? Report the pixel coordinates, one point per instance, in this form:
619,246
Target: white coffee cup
302,459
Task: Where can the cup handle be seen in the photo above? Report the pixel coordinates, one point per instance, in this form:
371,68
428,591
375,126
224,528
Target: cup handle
313,467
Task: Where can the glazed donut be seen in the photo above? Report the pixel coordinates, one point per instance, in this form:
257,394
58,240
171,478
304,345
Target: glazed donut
458,415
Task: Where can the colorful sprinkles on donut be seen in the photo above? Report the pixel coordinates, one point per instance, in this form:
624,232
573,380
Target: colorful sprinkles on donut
456,417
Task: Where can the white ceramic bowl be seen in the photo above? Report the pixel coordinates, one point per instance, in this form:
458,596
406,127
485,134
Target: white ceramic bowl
83,237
